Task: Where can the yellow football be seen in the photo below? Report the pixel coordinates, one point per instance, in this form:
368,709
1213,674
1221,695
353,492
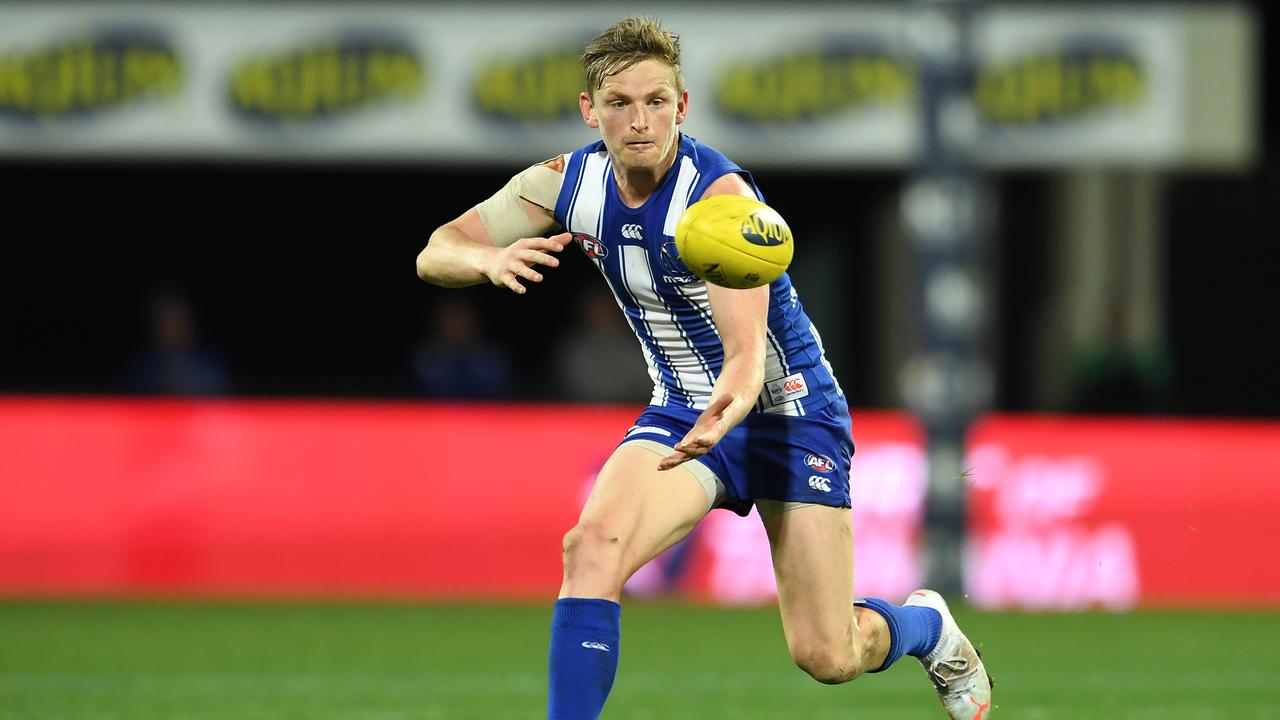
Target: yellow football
734,241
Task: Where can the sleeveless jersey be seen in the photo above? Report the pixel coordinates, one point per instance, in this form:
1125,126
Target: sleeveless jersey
666,304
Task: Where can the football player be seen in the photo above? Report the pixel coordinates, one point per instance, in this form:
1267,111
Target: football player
745,408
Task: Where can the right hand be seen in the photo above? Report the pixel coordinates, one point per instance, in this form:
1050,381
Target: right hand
509,264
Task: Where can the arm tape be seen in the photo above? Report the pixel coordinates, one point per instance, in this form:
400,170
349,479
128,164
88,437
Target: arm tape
504,215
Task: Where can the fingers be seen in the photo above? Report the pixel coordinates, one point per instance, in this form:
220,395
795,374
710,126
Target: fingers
528,273
530,257
509,279
699,440
673,460
708,429
695,447
520,271
527,252
555,243
686,450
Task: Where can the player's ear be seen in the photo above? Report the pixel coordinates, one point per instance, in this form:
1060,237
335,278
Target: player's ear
588,110
682,106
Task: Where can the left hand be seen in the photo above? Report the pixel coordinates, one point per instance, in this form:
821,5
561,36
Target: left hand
705,433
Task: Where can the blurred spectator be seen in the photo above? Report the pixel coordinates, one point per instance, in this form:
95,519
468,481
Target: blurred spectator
599,359
455,361
1121,374
176,361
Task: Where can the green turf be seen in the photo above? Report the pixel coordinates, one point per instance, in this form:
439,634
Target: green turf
387,662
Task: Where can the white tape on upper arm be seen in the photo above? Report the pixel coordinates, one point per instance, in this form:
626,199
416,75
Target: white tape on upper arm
504,217
503,214
540,185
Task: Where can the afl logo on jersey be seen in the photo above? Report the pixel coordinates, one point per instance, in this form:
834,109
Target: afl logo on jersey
591,246
820,463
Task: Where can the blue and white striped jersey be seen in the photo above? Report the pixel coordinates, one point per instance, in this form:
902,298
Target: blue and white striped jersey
666,304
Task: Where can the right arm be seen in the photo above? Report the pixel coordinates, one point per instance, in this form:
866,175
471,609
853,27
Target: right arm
463,252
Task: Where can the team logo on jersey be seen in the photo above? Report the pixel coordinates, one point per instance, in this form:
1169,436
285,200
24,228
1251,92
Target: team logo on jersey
591,246
817,482
820,463
633,232
677,272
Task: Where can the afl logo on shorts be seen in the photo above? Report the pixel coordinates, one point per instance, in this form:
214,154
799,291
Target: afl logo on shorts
820,463
591,246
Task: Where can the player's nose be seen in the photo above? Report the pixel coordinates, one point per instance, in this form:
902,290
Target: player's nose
639,119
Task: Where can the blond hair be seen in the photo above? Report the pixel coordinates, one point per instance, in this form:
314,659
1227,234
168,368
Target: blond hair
626,43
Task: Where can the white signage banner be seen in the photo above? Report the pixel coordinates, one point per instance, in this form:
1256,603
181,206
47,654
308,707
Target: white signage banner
803,85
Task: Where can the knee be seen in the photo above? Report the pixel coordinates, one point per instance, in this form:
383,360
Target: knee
590,548
826,662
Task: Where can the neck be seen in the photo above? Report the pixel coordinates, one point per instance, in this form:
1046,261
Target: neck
635,185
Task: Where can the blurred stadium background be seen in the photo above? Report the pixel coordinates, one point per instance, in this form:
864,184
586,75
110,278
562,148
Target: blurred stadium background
251,467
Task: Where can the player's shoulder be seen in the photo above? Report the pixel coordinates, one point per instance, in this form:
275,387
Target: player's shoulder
574,162
556,163
730,183
719,174
702,154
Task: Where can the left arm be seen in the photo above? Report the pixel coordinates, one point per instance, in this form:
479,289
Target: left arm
740,317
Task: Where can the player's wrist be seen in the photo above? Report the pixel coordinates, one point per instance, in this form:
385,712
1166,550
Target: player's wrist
487,263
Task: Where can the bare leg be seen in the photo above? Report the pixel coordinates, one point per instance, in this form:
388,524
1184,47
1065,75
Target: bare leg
634,512
828,637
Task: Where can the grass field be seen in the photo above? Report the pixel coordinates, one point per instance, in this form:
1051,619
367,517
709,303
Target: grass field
387,662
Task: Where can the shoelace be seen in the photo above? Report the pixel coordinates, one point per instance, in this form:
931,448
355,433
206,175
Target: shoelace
957,665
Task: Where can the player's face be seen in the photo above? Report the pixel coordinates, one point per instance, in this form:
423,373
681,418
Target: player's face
637,111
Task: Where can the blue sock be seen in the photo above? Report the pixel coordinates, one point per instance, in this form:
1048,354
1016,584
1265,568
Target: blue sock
584,657
913,630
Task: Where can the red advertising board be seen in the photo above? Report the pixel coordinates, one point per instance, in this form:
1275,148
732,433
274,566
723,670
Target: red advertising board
430,501
320,499
292,498
1070,513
